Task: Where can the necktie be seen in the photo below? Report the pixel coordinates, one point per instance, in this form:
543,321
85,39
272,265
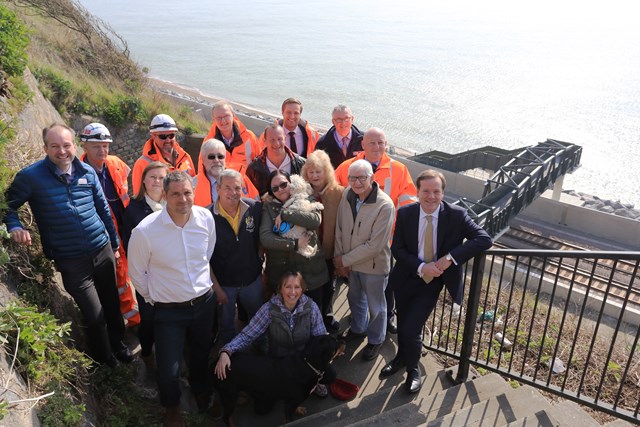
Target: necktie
345,143
292,142
67,177
428,246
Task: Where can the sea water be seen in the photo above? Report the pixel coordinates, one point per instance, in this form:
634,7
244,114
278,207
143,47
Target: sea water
450,76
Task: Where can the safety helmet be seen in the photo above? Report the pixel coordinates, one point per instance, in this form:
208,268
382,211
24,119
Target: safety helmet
162,123
95,132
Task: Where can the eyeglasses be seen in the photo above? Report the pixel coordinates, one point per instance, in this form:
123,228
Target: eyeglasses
167,135
279,187
216,156
165,125
362,179
223,118
345,120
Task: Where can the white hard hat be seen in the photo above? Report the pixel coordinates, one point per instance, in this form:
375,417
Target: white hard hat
95,132
162,123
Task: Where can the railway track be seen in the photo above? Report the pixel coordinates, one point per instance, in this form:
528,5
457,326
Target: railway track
600,277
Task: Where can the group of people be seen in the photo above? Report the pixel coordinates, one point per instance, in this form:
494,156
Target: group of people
281,218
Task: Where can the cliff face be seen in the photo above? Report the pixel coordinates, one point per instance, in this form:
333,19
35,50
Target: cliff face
28,148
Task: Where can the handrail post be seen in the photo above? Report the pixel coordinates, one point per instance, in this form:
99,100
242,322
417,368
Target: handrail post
475,287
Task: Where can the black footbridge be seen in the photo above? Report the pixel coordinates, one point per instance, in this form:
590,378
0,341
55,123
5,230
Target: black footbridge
520,177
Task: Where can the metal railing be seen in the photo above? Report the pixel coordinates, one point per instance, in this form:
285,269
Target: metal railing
531,316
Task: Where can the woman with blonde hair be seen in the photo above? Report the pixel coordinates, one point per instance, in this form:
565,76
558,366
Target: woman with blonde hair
318,172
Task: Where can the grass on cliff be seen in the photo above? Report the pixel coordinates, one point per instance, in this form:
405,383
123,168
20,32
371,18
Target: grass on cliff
83,67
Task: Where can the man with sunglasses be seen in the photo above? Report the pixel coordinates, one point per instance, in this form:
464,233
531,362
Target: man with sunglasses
344,139
275,156
163,147
213,155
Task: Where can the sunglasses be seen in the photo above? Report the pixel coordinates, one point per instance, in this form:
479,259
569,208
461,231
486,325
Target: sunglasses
216,156
167,135
277,188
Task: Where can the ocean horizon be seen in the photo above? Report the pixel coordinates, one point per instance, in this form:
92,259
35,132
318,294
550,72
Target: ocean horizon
448,77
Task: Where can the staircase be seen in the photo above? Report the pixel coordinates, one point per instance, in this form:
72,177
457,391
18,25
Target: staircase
486,400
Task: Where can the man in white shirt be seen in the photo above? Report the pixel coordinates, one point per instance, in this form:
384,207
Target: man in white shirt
169,254
275,156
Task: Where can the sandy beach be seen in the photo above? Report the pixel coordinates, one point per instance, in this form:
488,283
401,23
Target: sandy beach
202,103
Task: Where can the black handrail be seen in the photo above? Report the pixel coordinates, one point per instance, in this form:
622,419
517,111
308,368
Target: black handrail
535,310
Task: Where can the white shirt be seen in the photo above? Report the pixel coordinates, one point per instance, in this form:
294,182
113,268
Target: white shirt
168,263
285,166
298,137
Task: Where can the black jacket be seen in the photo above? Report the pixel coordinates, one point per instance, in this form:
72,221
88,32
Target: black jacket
328,143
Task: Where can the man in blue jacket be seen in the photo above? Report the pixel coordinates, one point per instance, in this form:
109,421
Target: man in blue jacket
77,233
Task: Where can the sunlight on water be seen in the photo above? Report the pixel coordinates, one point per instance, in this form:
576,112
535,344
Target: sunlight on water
449,76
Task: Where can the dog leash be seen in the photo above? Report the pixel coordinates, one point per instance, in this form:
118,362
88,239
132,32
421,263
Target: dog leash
319,373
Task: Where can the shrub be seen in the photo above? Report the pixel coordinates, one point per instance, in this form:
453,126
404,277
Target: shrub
13,43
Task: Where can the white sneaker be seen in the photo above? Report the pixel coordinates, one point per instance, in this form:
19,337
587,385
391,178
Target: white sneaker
321,390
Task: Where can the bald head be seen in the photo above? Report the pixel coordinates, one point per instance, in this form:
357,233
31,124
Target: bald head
374,144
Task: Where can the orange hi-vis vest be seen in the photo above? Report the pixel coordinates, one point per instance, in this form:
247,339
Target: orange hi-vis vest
392,177
312,136
241,154
202,192
119,171
150,153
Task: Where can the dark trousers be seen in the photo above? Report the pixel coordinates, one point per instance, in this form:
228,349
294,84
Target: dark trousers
328,291
91,281
145,329
388,294
415,300
174,327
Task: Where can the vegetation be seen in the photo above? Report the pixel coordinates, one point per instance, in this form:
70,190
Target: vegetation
536,333
83,67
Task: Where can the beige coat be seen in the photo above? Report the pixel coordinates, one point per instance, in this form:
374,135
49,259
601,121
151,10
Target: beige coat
330,198
363,239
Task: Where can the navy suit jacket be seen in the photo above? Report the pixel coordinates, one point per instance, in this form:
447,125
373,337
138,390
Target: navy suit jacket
454,226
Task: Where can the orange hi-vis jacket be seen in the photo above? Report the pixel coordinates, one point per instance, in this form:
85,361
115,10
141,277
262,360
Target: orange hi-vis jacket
392,177
245,146
309,134
150,154
119,171
202,192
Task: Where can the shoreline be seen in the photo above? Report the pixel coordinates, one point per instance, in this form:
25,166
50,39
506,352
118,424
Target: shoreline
202,103
195,97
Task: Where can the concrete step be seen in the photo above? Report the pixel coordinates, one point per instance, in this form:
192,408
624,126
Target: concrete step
618,423
539,419
501,409
377,402
425,405
569,413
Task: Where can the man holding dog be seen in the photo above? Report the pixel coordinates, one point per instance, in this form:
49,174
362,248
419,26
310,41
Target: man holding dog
431,242
169,254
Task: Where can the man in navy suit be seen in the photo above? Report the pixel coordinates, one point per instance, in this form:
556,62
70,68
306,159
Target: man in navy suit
432,241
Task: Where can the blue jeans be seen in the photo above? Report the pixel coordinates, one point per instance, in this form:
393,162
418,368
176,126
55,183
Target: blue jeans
368,305
251,298
173,327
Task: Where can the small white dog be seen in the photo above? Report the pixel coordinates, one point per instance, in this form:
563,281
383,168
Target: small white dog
300,191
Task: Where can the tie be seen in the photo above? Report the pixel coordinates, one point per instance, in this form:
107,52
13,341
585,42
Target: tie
345,143
292,142
428,246
67,177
